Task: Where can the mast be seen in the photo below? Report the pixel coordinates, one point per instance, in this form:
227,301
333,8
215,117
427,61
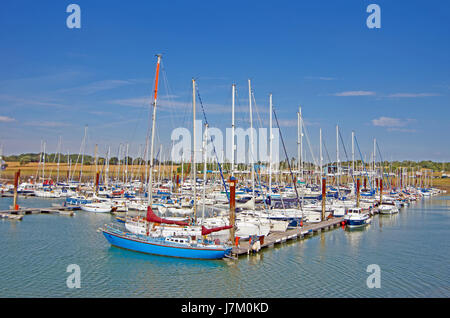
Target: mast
126,165
353,153
43,163
270,146
233,92
84,148
150,194
251,139
205,141
59,158
320,151
182,166
69,177
337,158
159,164
171,170
194,167
107,166
300,141
374,156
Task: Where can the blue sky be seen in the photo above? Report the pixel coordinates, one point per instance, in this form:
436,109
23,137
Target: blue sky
390,83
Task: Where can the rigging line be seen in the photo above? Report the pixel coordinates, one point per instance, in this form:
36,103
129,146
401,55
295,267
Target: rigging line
364,165
168,91
381,157
212,142
309,144
326,150
345,151
251,148
257,111
287,158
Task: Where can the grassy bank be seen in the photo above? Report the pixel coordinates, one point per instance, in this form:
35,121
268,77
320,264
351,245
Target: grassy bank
31,169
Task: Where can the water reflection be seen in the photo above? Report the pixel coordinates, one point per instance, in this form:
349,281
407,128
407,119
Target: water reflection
355,234
321,261
387,220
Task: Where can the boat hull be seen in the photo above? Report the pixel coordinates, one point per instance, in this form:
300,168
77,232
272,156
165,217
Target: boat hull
357,222
164,250
96,209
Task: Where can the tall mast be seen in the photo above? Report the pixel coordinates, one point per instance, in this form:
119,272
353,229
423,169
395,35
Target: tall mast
171,170
337,158
251,139
69,178
353,153
233,92
159,163
194,168
320,152
300,141
205,142
126,165
150,194
374,156
84,148
43,163
182,166
107,166
59,158
270,146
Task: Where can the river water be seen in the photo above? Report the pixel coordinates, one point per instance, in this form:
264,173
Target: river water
411,248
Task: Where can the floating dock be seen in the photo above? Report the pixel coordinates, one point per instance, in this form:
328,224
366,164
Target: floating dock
292,234
18,214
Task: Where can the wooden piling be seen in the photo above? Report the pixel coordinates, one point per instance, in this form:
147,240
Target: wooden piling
232,182
16,184
324,197
357,192
381,191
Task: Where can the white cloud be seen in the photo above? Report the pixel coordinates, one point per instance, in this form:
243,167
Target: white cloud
355,93
412,95
6,119
31,101
97,86
388,122
48,124
321,78
394,124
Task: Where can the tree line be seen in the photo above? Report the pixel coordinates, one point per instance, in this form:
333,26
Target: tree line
90,160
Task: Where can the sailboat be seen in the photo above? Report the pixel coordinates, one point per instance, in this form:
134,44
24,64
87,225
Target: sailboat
157,242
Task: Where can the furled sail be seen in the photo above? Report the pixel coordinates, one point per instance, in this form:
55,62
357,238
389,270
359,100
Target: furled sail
206,231
151,217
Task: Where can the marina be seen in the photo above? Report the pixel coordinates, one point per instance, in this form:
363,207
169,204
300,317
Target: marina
233,150
336,258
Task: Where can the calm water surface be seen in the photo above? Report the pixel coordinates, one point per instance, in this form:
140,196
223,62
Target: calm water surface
412,249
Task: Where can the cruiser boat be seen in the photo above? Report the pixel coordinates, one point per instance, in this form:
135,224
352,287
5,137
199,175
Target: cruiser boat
355,217
387,209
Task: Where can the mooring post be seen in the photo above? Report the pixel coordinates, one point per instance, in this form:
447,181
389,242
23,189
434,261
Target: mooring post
381,191
16,184
357,193
232,183
324,197
97,176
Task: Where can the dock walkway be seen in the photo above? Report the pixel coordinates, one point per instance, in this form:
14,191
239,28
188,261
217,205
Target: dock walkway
292,234
22,211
